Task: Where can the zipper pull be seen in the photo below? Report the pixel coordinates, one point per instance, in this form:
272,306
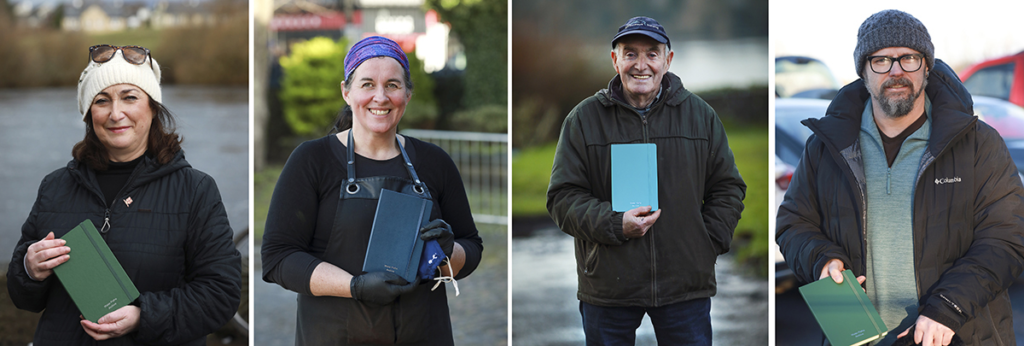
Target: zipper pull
888,181
106,222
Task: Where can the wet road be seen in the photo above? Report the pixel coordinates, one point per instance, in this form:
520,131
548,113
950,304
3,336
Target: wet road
545,310
38,128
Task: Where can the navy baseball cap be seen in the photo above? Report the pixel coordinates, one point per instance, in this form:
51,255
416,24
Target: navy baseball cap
644,26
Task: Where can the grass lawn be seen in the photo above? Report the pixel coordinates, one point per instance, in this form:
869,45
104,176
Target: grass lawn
750,146
531,172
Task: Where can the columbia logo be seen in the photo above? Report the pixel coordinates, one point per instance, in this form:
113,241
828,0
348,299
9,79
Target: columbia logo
941,181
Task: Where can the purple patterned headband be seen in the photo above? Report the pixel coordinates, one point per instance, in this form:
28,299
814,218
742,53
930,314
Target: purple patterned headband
371,47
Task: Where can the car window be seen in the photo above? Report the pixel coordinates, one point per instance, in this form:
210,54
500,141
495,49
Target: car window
790,134
794,75
1005,117
992,81
788,119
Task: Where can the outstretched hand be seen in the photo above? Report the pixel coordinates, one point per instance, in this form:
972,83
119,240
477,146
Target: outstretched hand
636,222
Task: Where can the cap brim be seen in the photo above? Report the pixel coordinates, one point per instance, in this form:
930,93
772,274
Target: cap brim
656,36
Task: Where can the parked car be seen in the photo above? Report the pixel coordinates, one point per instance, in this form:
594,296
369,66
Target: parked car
803,77
790,134
790,137
1008,119
784,278
1002,78
1005,117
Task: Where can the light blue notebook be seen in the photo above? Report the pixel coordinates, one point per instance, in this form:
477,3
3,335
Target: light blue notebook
634,176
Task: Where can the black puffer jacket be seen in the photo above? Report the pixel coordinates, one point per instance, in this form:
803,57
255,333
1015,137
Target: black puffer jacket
173,240
700,192
968,216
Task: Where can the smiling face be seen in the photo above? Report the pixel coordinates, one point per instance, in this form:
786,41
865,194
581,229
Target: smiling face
377,95
641,63
121,118
897,92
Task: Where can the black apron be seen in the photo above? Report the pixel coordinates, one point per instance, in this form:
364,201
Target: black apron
346,321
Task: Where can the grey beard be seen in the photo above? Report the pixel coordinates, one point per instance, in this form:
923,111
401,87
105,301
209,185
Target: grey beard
896,108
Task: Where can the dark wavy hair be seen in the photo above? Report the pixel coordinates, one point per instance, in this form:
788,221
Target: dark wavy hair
163,142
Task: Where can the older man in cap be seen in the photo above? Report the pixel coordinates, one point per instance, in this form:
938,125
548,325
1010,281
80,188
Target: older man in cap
636,262
902,184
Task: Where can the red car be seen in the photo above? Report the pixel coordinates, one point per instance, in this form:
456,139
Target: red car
1002,78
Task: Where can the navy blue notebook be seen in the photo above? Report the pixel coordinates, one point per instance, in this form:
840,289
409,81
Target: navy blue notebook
634,176
395,244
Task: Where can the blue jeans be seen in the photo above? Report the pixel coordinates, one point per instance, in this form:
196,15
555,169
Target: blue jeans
685,323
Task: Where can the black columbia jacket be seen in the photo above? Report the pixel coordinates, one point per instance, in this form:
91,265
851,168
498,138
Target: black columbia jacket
700,193
173,240
968,215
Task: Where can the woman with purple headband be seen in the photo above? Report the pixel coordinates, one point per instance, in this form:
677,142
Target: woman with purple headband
323,208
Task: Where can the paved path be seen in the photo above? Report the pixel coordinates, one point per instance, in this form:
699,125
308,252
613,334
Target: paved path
545,310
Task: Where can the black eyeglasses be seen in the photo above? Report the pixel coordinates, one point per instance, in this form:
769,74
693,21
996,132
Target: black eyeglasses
133,54
909,63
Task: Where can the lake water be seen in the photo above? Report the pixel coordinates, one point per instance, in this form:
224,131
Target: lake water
704,65
38,128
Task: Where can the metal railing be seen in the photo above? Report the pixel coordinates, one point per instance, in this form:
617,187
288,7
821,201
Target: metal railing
482,159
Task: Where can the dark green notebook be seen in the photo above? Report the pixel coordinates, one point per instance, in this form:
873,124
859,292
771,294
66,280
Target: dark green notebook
843,311
93,276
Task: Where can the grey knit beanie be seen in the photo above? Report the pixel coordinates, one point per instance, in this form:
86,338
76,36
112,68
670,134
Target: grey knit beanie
892,28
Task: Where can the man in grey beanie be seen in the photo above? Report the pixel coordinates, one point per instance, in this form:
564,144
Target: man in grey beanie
903,185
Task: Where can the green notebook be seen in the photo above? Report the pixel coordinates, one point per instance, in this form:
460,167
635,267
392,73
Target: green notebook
93,276
843,311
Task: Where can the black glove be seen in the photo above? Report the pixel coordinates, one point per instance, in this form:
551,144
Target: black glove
379,287
439,230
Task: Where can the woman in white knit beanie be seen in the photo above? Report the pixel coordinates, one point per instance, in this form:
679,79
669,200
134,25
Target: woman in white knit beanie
163,221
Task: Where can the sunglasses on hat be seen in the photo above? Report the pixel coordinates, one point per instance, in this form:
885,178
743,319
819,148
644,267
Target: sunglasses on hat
133,54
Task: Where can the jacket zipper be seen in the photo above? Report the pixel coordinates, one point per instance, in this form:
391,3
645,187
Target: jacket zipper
888,181
650,241
643,118
951,303
107,213
917,183
837,155
106,222
654,267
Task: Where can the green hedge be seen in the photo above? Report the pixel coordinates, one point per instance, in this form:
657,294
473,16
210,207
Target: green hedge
311,88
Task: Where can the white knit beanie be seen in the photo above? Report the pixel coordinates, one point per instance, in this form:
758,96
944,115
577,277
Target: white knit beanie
99,76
